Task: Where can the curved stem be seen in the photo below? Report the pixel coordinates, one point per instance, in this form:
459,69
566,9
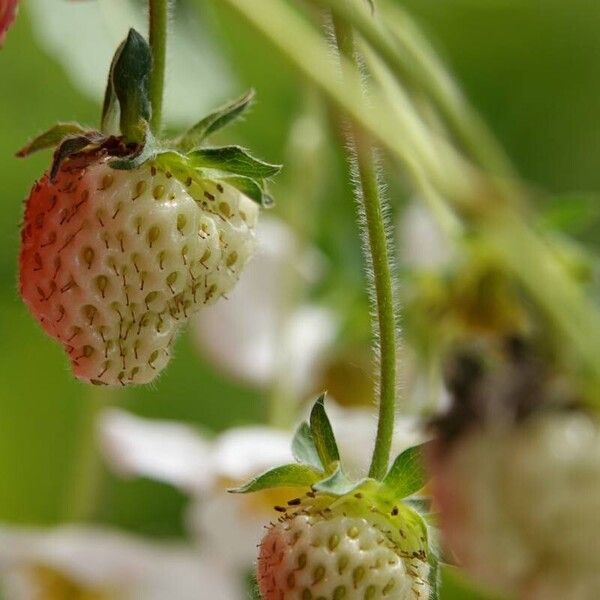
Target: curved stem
378,258
159,20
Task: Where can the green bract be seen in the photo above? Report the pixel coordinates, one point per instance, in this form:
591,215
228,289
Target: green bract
125,134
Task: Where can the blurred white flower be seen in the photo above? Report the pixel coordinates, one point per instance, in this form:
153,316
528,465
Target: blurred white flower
422,242
229,526
100,564
260,333
83,36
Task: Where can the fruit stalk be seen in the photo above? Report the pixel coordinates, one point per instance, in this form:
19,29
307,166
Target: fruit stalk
377,251
159,21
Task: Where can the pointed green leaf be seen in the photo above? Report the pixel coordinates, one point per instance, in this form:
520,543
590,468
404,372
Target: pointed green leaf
130,78
215,121
233,159
50,138
407,475
293,475
303,447
110,107
338,484
323,435
249,187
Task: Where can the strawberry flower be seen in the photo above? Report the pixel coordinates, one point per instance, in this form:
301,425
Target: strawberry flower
8,13
86,562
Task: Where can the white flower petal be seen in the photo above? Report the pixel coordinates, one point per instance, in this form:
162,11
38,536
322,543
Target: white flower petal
166,451
422,242
244,452
230,527
130,567
198,77
257,328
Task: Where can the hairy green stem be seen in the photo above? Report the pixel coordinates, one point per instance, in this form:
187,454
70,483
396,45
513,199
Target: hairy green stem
378,258
159,22
409,56
447,185
86,475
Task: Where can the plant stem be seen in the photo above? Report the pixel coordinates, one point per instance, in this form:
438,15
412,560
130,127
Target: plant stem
446,185
159,21
86,476
378,259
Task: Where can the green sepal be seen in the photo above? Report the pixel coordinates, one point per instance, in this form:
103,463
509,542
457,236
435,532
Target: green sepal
323,435
339,484
51,138
251,188
232,159
292,475
407,474
109,123
144,152
304,449
218,119
72,145
130,77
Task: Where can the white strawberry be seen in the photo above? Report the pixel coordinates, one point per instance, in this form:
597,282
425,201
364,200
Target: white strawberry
356,546
128,235
113,262
519,506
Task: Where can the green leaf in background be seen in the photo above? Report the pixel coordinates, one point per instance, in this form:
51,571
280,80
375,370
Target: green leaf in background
323,435
233,159
216,120
293,475
407,474
130,78
303,447
50,138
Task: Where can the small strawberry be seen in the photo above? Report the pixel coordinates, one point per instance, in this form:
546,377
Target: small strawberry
123,240
344,539
517,485
354,546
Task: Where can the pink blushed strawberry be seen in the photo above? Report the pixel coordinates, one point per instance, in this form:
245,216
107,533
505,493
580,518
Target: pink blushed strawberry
113,262
126,236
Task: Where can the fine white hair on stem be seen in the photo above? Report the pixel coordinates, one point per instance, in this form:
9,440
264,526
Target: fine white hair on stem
377,245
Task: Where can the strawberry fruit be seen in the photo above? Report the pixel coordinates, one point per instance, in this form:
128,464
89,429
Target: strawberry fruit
112,262
125,237
344,540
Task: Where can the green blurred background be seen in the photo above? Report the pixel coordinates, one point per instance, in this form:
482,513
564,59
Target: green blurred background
529,66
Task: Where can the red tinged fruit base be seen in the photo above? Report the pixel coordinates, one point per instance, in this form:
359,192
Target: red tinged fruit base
113,262
8,14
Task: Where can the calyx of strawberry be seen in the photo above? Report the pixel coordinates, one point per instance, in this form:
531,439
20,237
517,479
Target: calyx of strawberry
319,468
125,135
